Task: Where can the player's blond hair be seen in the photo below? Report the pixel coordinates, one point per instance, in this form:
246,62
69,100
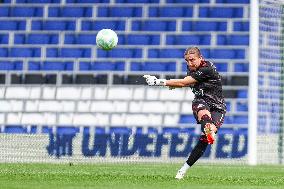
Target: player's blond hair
193,50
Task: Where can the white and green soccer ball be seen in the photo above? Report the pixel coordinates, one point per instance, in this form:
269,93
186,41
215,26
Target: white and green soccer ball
106,39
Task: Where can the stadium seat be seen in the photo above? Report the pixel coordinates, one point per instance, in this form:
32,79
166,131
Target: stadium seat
137,1
48,65
32,118
4,11
53,25
7,65
241,26
182,40
119,11
136,66
206,26
36,39
69,52
133,39
6,1
187,1
24,52
242,106
67,130
233,1
221,67
233,40
15,129
34,65
220,12
26,12
13,25
118,25
87,1
120,53
186,118
64,93
102,66
153,25
165,53
70,12
241,119
241,67
242,94
80,39
171,11
155,66
38,1
222,54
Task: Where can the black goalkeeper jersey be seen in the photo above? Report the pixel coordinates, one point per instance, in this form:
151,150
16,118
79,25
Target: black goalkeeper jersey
209,86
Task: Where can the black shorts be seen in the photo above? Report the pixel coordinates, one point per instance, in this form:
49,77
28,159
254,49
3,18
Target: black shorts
216,114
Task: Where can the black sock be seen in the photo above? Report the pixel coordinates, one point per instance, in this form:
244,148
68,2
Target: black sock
198,150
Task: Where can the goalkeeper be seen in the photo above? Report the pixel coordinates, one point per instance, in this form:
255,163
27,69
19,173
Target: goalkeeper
208,105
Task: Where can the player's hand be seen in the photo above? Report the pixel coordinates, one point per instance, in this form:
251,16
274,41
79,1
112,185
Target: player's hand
152,80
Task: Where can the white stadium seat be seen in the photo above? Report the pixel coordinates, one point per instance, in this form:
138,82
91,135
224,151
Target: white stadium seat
5,106
186,108
102,119
83,106
155,119
136,120
31,105
84,119
100,93
17,105
119,93
35,93
153,107
50,118
32,118
172,107
139,93
68,106
176,94
2,92
48,92
2,118
17,93
188,94
102,106
152,93
171,119
86,93
117,119
66,93
50,106
65,119
14,118
120,106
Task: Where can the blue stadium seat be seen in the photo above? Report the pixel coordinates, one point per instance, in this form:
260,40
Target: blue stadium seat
242,94
165,53
4,38
185,118
120,66
228,105
12,25
171,11
221,67
24,52
36,39
67,130
80,39
242,106
172,130
18,65
222,54
53,25
69,52
70,12
98,25
136,66
183,40
38,1
4,11
204,26
153,25
103,66
228,120
87,1
15,129
7,1
119,11
120,130
233,1
26,12
7,65
155,66
85,66
34,65
137,1
241,119
48,65
120,53
133,39
220,12
241,26
241,67
233,40
188,1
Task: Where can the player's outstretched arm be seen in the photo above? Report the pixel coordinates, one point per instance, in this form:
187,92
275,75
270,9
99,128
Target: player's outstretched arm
172,83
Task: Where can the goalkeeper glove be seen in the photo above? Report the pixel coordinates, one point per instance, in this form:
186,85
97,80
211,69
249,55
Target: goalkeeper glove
152,80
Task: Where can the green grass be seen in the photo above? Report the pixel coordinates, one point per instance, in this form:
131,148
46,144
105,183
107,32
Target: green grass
143,176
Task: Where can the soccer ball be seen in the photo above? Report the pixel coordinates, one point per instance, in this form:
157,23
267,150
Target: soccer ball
106,39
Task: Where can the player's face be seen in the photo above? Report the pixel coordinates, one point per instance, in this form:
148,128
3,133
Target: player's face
193,61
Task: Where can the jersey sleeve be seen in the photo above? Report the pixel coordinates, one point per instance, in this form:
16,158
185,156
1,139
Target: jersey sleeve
202,74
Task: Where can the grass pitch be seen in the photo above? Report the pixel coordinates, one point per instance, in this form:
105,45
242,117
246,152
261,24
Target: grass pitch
141,176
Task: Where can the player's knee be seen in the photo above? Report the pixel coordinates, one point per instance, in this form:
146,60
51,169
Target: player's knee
206,119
